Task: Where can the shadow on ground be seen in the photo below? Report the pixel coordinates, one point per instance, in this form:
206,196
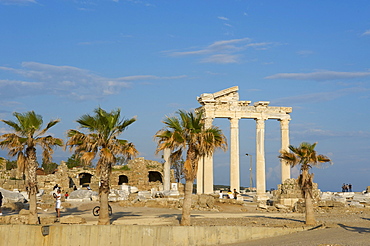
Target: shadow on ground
355,229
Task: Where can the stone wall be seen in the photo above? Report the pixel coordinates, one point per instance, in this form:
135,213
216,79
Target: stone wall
137,174
134,235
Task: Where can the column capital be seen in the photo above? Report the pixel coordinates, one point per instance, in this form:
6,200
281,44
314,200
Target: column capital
284,123
208,121
260,123
234,122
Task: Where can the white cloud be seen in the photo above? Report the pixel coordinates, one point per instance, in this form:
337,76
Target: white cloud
367,32
318,97
223,51
65,81
222,18
17,2
318,134
221,58
320,75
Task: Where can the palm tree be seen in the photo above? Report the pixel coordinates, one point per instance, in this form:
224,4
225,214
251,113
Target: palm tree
305,156
103,129
187,133
27,135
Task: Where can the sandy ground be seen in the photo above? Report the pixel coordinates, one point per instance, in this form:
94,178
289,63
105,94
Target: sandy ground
346,226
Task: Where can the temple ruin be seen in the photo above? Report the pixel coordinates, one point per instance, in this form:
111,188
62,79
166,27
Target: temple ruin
226,104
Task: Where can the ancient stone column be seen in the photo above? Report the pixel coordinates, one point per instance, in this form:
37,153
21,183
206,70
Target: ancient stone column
208,166
234,154
260,159
285,168
166,169
200,180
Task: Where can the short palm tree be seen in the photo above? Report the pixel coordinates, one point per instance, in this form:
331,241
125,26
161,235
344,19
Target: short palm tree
187,133
103,129
27,135
305,156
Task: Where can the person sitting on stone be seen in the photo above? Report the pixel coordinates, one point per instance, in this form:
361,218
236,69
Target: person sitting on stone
230,194
221,195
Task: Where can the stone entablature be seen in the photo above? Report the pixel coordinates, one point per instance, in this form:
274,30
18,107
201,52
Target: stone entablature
226,104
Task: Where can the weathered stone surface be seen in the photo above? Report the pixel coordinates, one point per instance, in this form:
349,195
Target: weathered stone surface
72,219
14,219
24,212
81,194
263,206
47,219
14,206
289,193
137,177
11,196
280,206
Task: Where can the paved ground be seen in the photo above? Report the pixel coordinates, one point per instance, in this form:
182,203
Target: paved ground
328,236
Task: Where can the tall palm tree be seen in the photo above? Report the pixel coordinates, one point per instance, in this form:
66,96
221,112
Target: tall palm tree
305,155
27,135
187,133
103,129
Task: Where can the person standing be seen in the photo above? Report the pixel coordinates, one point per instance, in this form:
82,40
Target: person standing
235,194
1,203
58,202
350,187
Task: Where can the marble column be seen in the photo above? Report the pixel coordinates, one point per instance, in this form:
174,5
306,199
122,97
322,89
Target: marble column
200,179
167,169
260,159
208,165
234,154
285,168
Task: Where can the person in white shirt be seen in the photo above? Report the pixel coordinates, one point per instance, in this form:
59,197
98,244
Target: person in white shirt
58,202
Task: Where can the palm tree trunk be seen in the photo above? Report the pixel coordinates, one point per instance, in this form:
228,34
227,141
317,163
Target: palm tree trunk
31,166
103,195
186,207
310,215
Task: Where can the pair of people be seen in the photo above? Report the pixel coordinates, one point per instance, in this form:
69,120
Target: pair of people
232,195
346,187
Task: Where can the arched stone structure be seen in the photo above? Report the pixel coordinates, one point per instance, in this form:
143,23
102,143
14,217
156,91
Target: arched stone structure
85,178
226,104
122,179
155,176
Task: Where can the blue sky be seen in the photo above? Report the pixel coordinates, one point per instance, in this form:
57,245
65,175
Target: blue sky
63,58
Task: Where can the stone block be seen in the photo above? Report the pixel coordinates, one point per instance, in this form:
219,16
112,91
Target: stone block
14,206
16,219
72,219
47,219
280,206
